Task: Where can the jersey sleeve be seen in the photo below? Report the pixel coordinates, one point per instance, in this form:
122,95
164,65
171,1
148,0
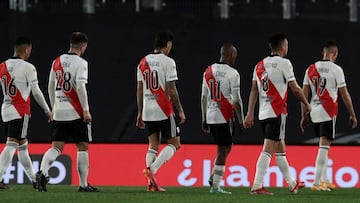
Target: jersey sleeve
204,88
288,71
235,86
235,81
254,77
52,73
306,78
139,76
340,78
171,74
82,73
32,75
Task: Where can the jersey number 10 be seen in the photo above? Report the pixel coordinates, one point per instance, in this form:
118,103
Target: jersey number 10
151,79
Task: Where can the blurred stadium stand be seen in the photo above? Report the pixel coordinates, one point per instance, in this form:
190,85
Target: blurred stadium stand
286,9
121,31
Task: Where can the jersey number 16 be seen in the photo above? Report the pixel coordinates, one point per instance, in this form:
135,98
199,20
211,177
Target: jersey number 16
10,89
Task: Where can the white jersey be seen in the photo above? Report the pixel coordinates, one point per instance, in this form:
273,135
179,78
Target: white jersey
154,70
324,79
272,75
220,82
67,70
16,77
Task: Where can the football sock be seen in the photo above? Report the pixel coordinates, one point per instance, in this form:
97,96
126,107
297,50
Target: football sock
321,163
150,157
163,157
284,168
83,167
218,174
261,167
212,170
6,156
25,160
324,176
49,157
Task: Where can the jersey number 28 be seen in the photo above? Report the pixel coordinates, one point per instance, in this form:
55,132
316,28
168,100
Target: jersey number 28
63,81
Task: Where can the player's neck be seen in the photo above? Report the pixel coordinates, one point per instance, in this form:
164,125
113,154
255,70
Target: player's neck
162,51
19,56
277,53
328,58
74,51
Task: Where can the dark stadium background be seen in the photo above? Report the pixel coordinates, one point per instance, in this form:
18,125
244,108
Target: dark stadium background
119,36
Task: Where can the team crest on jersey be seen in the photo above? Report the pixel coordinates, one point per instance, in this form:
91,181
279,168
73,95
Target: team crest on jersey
291,68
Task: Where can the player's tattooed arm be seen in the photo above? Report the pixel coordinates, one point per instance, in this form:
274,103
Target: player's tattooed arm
174,95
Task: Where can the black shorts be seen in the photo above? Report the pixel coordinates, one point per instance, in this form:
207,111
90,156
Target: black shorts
222,133
71,131
274,128
167,128
325,129
17,128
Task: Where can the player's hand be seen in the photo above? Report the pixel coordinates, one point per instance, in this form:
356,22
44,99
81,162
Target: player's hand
49,116
308,108
205,127
242,127
182,117
87,116
249,121
304,123
139,122
353,122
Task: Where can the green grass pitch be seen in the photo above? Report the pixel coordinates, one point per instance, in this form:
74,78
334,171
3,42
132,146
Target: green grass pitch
69,194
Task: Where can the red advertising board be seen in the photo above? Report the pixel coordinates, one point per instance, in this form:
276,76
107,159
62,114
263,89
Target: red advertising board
122,164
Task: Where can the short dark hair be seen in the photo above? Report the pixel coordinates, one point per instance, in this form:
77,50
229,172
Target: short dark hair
22,40
162,38
78,37
276,39
330,44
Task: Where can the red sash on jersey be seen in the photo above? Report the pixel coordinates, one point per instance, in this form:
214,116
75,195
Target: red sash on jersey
162,99
226,108
72,94
326,101
22,106
277,102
